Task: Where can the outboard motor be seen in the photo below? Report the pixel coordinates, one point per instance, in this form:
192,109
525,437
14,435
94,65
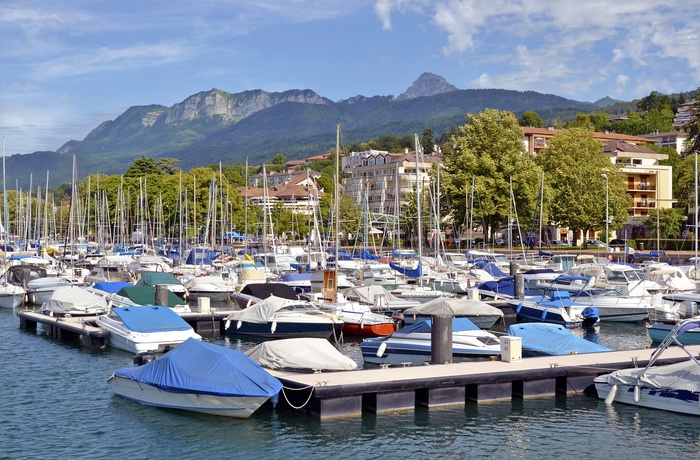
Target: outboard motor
144,357
591,316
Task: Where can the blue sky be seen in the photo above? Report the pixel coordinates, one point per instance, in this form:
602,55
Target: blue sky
69,65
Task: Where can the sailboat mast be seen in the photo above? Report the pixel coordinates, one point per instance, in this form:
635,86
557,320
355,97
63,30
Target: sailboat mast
4,195
419,225
337,202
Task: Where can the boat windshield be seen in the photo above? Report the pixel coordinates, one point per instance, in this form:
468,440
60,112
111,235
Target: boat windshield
635,275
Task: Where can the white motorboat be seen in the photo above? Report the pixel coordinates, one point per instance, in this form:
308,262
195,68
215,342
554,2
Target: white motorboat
671,387
40,290
215,288
300,354
145,328
74,301
11,295
413,344
275,317
199,377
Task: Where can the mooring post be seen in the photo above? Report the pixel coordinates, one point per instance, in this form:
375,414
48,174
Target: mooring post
162,295
441,339
519,286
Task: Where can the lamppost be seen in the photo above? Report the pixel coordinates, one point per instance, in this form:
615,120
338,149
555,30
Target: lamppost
607,216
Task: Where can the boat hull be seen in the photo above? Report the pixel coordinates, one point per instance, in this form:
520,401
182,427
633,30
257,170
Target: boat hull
11,300
287,330
681,401
368,330
136,342
227,406
659,331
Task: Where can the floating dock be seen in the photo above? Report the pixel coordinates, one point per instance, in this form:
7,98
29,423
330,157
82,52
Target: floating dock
385,390
83,327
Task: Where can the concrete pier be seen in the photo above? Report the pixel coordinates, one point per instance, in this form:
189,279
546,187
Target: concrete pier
352,393
83,327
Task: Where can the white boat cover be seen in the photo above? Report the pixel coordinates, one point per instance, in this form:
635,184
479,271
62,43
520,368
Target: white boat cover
265,310
377,295
47,283
212,282
302,354
680,376
75,300
454,306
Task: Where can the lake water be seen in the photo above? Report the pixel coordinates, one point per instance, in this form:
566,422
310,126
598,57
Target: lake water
56,404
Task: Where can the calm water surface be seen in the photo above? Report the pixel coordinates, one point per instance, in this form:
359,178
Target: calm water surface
56,403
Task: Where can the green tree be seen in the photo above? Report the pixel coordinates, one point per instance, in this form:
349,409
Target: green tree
574,164
692,143
427,141
167,165
667,220
142,167
531,118
279,159
490,150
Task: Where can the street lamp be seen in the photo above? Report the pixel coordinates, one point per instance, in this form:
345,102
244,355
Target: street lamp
607,217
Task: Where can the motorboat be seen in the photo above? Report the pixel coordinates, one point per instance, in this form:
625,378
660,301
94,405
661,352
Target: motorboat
111,267
148,263
74,301
11,295
671,279
359,319
216,288
555,307
411,345
146,295
630,280
300,355
162,278
41,289
611,303
547,339
199,377
255,292
145,328
671,387
480,313
276,317
659,331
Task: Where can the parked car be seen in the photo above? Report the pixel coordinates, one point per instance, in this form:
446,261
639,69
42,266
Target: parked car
617,243
501,242
595,244
559,243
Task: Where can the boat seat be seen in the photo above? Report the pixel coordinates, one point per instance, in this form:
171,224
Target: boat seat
561,295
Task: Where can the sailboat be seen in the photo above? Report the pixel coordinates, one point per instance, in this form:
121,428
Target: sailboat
417,291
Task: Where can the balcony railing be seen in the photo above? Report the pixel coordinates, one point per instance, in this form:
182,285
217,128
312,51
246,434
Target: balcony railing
643,187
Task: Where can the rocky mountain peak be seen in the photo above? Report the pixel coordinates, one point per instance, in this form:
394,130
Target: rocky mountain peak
428,84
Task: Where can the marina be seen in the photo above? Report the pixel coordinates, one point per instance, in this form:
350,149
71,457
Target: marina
112,426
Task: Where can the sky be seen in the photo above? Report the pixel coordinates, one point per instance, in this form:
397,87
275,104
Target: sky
68,65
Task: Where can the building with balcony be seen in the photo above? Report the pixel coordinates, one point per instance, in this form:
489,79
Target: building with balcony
384,180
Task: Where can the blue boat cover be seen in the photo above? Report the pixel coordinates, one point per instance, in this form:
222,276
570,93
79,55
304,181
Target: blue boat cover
552,340
111,287
411,272
200,256
458,324
490,268
205,368
151,318
367,256
504,286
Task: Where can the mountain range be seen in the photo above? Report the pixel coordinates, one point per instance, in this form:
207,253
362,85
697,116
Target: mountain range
216,126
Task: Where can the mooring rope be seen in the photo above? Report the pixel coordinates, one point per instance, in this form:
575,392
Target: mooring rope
298,389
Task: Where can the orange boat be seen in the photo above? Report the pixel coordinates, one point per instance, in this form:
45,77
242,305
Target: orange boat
367,329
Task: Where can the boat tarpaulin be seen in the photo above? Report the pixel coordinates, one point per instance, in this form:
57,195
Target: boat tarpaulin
111,287
155,278
301,354
265,290
552,340
199,367
454,306
75,300
263,311
458,324
410,272
151,318
146,295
